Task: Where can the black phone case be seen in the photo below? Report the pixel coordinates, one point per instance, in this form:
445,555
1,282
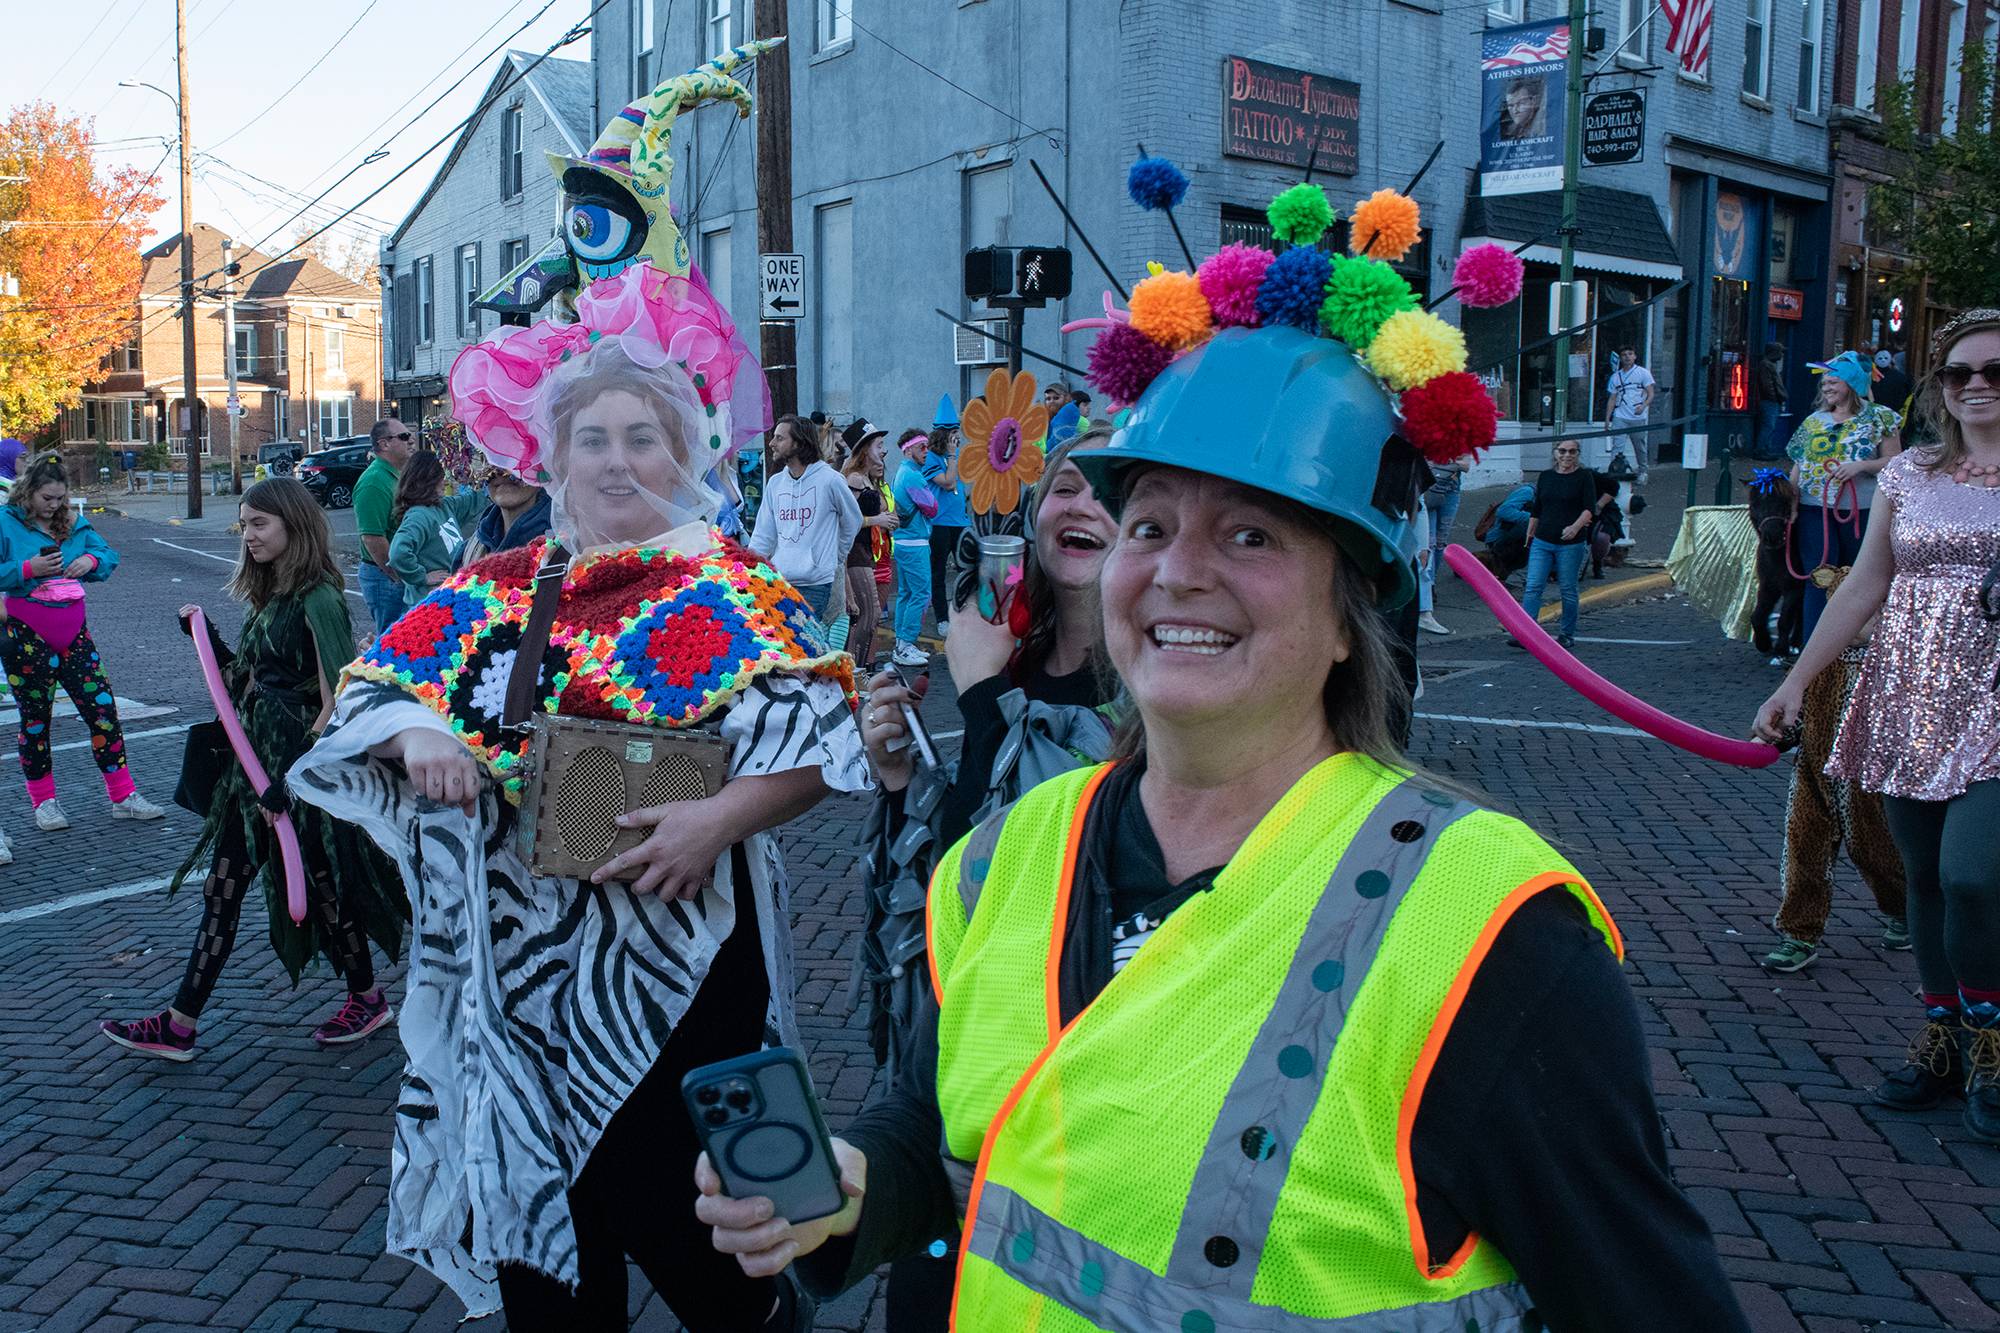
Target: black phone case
760,1122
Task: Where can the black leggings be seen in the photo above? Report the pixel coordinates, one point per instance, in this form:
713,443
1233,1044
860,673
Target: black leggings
944,559
230,877
635,1195
1950,860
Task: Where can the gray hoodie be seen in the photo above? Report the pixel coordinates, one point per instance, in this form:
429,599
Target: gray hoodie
806,524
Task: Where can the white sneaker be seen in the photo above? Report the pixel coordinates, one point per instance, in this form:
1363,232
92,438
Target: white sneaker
49,816
1429,624
944,628
6,851
136,806
909,655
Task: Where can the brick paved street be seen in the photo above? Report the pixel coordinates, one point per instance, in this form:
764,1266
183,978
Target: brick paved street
246,1190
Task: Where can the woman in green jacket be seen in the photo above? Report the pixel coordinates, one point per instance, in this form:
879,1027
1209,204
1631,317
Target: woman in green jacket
428,525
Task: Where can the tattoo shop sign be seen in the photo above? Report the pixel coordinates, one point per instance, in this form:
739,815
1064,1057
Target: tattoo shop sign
1274,114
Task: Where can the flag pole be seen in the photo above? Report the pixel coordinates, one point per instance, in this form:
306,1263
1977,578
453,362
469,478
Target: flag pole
1579,17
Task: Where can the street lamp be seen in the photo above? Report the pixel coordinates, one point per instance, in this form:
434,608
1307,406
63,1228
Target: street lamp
141,83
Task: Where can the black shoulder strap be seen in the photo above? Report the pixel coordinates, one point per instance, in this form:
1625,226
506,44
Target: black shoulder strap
527,671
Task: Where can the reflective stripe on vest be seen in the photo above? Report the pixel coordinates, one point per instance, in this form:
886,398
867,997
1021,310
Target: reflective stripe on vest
1115,1293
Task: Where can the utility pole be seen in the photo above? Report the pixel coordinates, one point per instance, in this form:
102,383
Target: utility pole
777,342
229,362
1579,27
188,383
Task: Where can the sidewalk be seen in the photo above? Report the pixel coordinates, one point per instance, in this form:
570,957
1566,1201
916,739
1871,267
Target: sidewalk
218,512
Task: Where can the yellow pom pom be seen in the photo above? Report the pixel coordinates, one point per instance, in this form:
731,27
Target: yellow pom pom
1392,220
1414,346
1170,309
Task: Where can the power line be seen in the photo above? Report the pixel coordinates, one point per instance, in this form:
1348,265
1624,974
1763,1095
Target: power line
284,190
55,73
299,82
1055,142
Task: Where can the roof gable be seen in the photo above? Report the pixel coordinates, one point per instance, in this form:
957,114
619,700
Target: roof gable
293,277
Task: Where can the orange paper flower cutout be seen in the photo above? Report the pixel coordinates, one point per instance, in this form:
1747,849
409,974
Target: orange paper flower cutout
1003,429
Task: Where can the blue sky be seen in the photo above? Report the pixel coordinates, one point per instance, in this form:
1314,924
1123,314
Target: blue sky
256,167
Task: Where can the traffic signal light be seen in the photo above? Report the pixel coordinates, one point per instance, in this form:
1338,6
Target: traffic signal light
1033,273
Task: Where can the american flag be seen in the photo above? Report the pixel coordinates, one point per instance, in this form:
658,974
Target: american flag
1689,26
1505,49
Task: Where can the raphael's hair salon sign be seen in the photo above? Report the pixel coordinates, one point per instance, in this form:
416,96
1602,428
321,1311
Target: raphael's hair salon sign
1280,115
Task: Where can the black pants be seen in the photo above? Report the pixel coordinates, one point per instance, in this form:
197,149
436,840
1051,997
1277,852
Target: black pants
230,877
944,558
1954,875
636,1193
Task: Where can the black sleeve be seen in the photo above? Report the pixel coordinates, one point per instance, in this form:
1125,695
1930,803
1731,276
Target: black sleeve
908,1203
979,706
1538,1130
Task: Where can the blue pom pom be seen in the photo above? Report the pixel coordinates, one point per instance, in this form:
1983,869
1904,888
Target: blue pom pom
1156,183
1293,288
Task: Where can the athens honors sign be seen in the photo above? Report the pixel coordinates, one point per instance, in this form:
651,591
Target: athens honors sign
1521,102
1274,114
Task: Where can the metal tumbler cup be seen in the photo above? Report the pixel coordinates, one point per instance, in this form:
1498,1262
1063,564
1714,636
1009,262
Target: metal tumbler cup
999,575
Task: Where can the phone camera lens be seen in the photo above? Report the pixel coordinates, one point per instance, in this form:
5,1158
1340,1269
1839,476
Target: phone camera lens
715,1115
739,1098
708,1096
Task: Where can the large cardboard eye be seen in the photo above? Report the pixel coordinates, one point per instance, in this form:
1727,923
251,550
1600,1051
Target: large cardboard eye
597,235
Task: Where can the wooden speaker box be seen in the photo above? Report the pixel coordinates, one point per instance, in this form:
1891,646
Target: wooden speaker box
583,774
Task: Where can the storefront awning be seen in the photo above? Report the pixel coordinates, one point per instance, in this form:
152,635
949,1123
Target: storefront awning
1618,231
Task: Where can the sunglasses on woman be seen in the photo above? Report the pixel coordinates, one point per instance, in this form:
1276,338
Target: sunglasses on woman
1955,375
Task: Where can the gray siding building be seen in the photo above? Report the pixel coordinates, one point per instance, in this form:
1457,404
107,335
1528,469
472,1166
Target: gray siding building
916,127
493,202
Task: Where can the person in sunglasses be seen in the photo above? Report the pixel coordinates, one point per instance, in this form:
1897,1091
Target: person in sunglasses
1923,728
1836,453
374,501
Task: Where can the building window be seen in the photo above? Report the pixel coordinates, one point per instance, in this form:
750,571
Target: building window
426,302
510,152
125,356
1867,52
642,46
246,349
336,416
718,256
1507,11
127,420
987,203
1813,15
834,26
513,254
281,355
1634,33
336,352
1757,48
281,419
720,27
1954,64
468,291
833,306
1906,39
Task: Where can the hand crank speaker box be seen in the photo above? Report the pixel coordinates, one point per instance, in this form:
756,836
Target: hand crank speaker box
583,774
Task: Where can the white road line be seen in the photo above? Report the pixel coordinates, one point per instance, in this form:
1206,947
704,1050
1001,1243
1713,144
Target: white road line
1534,725
129,736
75,900
231,560
1644,643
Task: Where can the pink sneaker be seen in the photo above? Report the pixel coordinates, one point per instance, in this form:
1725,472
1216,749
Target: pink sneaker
156,1034
358,1016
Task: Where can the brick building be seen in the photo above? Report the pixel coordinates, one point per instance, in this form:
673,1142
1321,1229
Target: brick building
308,363
1878,297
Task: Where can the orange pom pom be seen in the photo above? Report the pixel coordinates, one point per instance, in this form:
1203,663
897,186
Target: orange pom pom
1392,219
1170,309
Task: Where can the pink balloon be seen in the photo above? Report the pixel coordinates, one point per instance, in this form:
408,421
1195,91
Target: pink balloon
1664,726
232,726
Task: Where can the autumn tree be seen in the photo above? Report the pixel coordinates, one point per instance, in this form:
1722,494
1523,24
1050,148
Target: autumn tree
69,235
1943,207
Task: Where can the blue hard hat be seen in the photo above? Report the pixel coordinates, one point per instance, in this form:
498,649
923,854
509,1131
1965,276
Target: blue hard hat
1285,412
947,412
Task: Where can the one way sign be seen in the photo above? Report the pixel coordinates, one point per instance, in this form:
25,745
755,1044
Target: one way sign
782,281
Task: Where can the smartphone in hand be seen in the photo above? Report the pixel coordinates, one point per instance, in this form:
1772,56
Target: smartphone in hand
760,1123
919,735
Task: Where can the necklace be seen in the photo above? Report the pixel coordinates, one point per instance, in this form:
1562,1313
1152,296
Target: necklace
1969,473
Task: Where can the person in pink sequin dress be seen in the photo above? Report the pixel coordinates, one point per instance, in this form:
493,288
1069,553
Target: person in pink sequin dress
1923,728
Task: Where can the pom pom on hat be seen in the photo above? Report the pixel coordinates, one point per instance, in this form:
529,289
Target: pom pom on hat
1413,346
1360,294
1488,275
1170,309
1391,219
1301,214
1293,288
1156,183
1230,278
1450,416
1123,361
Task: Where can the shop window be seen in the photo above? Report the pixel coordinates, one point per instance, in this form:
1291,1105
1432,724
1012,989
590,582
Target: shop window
1729,335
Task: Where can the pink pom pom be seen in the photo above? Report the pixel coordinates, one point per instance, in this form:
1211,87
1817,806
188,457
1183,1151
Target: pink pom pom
1123,361
1230,278
1487,275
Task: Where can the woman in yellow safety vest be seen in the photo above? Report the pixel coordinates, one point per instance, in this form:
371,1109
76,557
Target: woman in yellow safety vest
1254,1027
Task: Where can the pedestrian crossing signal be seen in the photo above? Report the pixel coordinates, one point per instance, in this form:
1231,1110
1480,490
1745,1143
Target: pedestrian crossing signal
1029,275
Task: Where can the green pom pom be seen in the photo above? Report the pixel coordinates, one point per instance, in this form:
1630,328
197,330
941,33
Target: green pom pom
1301,215
1360,295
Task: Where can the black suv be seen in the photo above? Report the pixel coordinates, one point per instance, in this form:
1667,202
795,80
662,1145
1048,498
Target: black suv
331,473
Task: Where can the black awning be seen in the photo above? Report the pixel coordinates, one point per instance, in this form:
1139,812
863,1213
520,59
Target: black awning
1618,231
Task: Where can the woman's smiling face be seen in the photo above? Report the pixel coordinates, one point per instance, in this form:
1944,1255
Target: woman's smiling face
620,467
1978,404
1072,531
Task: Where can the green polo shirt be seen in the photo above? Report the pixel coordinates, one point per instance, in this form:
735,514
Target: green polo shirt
374,497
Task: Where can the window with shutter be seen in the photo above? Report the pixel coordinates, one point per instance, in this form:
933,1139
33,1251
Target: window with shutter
406,321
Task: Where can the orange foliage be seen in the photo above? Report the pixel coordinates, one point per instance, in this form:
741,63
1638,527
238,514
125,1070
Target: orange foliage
79,285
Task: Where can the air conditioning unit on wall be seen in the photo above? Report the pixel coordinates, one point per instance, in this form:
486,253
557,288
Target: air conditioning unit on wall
970,349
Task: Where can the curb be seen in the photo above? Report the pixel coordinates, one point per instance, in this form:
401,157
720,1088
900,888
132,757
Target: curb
1613,594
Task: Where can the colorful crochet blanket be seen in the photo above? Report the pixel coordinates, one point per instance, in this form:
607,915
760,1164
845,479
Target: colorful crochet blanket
641,635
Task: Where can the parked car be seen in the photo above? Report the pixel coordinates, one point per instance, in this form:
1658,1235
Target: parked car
281,457
330,473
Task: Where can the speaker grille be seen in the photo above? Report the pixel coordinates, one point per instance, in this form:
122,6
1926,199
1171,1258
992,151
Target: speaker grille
677,777
588,801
